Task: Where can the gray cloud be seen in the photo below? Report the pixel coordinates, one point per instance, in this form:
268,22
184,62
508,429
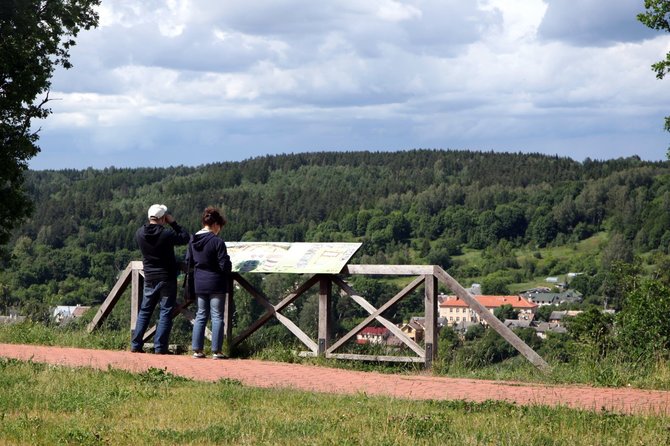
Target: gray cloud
189,82
594,22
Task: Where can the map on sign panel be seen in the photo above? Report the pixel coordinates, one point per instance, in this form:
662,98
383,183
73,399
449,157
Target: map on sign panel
298,258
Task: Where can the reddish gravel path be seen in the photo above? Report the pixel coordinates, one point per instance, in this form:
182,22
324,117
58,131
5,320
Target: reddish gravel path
322,379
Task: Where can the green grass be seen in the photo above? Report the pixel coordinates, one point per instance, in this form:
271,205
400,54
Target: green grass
51,405
28,332
613,371
564,255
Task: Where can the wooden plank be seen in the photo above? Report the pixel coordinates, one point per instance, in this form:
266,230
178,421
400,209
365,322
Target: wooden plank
325,317
408,289
256,294
430,305
385,322
136,295
113,297
493,321
391,270
379,358
228,312
358,357
297,332
297,293
251,329
273,309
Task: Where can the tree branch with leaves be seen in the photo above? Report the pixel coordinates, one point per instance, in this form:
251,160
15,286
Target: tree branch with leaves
657,16
35,37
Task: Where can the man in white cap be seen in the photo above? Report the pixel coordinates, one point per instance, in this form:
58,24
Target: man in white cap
157,242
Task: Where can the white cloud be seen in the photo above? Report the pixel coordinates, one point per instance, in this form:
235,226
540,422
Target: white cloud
397,12
288,75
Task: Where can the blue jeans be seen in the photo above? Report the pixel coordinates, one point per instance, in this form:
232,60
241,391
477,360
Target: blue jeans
209,304
164,292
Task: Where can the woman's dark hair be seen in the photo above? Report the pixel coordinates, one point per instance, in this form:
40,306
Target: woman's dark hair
211,216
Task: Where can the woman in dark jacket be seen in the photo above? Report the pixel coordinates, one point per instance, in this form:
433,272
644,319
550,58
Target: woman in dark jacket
208,255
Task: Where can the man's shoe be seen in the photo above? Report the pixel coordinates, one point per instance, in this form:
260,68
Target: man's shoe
219,356
198,355
136,351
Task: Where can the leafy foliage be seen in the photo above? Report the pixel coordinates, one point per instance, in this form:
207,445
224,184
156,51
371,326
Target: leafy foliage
36,38
643,322
418,207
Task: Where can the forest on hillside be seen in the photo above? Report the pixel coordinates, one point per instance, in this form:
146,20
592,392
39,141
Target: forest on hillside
410,207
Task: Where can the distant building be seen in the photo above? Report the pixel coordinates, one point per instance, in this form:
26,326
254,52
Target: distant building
455,310
13,317
543,328
65,313
462,327
558,317
517,323
372,335
542,299
414,330
475,289
545,298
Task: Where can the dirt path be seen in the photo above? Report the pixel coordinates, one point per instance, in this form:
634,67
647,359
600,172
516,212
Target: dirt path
322,379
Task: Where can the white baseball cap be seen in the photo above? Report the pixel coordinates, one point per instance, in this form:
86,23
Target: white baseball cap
157,210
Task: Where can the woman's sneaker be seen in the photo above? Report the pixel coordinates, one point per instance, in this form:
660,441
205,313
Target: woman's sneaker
219,356
198,355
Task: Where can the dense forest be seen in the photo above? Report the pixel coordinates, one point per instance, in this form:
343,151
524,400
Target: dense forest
410,207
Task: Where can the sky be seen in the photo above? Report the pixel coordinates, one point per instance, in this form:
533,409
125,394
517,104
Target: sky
190,82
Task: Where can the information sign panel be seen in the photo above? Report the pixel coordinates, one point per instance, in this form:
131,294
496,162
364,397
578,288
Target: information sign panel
298,258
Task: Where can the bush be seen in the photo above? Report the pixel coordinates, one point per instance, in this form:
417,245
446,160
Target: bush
489,349
643,330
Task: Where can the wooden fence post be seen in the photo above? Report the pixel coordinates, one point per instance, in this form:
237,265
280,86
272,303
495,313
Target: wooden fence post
430,293
228,312
325,317
136,296
114,295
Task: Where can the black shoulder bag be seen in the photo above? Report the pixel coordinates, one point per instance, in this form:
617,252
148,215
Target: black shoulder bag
189,278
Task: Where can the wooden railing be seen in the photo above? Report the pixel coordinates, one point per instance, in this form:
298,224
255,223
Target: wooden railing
428,276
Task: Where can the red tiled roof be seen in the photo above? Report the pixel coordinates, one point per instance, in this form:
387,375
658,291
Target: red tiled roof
79,311
489,301
373,331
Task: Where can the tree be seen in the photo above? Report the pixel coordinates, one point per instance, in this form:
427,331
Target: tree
593,328
35,38
495,285
657,16
506,312
643,328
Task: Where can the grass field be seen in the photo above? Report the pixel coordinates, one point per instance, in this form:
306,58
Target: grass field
52,405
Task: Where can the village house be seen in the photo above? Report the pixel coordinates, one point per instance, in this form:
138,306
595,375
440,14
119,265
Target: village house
548,327
546,298
558,317
455,310
65,313
373,335
517,323
12,318
541,328
413,329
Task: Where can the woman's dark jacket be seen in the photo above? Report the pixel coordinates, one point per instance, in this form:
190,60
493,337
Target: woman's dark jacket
211,263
